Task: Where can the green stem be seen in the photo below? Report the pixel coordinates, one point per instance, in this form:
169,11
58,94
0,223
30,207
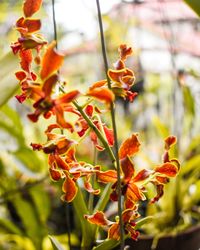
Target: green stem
93,177
103,200
97,132
114,127
54,23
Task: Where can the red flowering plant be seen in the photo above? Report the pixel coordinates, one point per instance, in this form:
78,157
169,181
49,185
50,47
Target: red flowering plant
123,183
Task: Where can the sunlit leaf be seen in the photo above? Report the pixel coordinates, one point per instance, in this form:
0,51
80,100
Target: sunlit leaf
161,127
55,244
30,220
9,227
10,122
195,5
29,159
40,197
9,85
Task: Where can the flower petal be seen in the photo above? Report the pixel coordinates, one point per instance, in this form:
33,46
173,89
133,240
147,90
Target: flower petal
102,94
98,84
49,84
61,163
129,147
127,215
90,189
68,97
69,188
160,193
55,174
109,135
142,175
169,141
107,176
32,24
167,169
114,232
26,59
115,75
124,51
51,61
20,75
98,218
134,193
31,6
128,169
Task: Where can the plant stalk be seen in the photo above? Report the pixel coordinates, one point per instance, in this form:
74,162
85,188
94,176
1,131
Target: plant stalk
97,132
112,107
93,177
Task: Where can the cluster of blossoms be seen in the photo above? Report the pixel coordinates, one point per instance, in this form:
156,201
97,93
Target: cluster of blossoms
61,150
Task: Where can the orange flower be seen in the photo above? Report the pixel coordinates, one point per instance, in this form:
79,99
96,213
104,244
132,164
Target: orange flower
128,216
89,110
63,163
122,77
133,184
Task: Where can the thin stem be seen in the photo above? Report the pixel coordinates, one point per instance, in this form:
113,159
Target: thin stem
93,177
114,126
97,132
54,23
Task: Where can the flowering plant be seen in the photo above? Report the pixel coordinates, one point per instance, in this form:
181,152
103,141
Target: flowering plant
51,98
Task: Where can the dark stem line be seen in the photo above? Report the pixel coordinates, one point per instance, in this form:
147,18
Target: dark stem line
93,178
67,205
96,130
114,126
54,23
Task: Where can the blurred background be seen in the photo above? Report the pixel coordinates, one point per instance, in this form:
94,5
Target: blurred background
165,36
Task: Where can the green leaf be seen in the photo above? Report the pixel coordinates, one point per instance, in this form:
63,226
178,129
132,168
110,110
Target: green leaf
29,159
8,227
107,244
190,165
195,5
11,123
88,230
33,228
40,197
9,85
15,242
56,245
189,102
161,127
143,221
